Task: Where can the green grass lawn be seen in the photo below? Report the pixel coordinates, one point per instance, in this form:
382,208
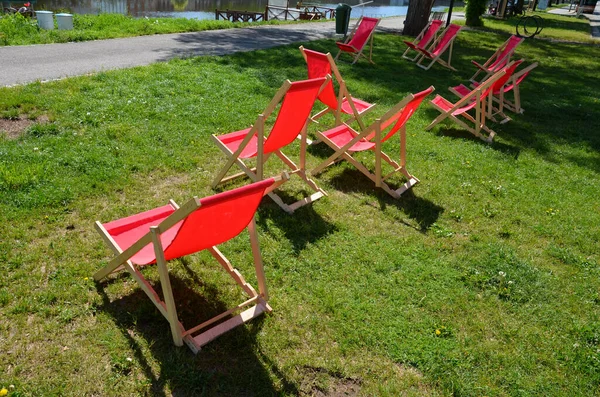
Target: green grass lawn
556,27
18,30
496,248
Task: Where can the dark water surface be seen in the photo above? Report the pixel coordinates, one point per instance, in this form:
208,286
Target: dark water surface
205,9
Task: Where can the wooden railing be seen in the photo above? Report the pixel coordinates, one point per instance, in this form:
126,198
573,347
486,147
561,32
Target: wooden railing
240,16
304,13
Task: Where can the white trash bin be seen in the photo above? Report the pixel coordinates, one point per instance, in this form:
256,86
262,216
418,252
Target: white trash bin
45,19
65,21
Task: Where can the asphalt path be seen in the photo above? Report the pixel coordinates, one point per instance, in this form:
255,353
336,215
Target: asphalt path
24,64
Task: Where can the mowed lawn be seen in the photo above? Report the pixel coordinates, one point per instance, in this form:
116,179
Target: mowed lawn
481,280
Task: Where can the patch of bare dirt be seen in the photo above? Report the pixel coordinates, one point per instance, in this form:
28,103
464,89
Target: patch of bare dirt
319,382
14,128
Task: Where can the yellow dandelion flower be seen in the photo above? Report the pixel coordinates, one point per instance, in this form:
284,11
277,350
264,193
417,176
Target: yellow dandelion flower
438,332
86,278
4,391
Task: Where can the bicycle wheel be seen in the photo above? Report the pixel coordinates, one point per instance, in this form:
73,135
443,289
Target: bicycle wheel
528,27
540,24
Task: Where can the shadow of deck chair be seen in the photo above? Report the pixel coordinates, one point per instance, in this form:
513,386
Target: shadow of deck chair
356,41
497,93
297,100
345,141
423,39
477,99
170,232
498,60
444,43
321,65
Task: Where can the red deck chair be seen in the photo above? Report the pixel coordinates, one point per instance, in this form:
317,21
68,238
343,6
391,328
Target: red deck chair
499,59
297,101
345,141
355,44
439,46
321,65
497,93
423,39
170,232
476,99
514,87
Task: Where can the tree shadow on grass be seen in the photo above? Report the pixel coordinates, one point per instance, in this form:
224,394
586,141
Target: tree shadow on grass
424,212
217,368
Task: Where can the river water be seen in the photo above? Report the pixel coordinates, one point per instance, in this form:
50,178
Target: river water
205,9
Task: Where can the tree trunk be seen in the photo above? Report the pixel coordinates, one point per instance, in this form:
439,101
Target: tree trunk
417,16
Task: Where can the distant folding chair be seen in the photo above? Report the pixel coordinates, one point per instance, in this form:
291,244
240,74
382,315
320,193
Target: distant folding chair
423,39
321,65
297,100
345,141
498,60
171,232
356,41
497,92
476,99
444,42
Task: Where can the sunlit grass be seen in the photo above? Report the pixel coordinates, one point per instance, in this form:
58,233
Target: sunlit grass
18,30
555,27
482,280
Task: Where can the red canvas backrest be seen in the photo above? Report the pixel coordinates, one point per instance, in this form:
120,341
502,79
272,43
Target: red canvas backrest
508,72
484,93
219,218
449,34
432,29
293,114
403,115
363,32
319,66
504,55
522,77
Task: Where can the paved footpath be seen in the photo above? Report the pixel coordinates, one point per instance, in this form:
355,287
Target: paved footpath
593,18
24,64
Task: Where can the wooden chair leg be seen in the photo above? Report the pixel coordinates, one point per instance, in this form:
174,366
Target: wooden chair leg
165,283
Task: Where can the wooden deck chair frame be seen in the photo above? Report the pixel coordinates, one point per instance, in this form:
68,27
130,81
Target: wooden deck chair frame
423,39
343,95
374,133
217,325
498,59
514,86
349,48
257,173
496,94
435,47
477,99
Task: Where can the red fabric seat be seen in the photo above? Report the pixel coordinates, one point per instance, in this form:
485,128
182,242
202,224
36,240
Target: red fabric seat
423,39
442,44
344,140
219,218
170,232
321,65
362,32
294,102
499,59
343,134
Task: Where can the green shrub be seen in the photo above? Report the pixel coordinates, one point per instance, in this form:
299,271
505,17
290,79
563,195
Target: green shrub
15,25
474,11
